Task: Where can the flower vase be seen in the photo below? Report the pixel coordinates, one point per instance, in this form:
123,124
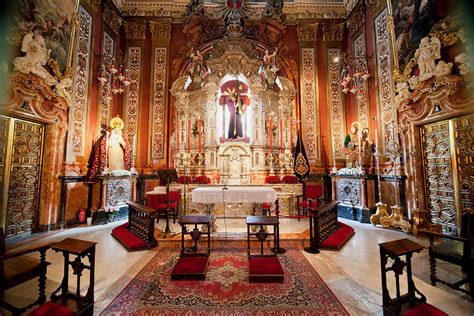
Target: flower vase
89,221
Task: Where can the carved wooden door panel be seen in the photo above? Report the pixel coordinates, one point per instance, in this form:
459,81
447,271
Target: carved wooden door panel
22,177
448,151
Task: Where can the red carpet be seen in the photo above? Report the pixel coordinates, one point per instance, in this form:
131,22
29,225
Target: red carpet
226,289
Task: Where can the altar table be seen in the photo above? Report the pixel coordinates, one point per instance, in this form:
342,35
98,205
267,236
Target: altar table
234,194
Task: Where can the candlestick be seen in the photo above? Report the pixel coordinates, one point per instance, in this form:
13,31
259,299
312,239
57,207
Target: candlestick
271,137
199,134
375,138
360,151
281,136
106,165
178,136
189,135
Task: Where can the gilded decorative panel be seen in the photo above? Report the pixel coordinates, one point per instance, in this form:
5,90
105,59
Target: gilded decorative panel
362,95
132,102
108,54
25,176
464,140
79,108
4,128
336,109
439,175
308,97
384,72
158,104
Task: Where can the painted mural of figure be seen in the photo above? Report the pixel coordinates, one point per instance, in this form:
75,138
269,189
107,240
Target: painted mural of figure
235,105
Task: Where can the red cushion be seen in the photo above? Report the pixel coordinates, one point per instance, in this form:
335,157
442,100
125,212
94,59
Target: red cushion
127,238
424,310
313,191
339,237
265,266
51,309
304,203
173,196
191,265
165,206
266,205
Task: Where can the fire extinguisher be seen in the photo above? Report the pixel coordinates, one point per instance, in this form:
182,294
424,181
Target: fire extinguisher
82,216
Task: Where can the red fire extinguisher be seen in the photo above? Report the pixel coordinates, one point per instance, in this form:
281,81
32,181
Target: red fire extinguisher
82,215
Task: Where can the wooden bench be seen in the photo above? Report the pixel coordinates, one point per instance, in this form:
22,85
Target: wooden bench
138,233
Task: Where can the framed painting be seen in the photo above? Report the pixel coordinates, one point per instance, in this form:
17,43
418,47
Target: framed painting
413,21
52,19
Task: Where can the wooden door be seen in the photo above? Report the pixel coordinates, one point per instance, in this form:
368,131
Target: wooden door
21,152
448,151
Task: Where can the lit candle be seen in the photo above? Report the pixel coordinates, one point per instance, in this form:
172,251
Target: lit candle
177,135
291,134
281,136
375,138
199,133
271,136
189,135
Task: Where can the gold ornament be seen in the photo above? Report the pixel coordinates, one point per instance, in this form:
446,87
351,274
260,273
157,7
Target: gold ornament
301,167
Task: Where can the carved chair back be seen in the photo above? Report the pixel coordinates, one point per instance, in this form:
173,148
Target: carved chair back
312,190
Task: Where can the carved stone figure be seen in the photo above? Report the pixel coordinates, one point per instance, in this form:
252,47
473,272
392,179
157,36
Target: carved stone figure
63,89
464,65
198,70
443,69
36,56
426,54
268,71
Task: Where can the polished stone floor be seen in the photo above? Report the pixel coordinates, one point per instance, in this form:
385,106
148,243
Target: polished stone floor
353,273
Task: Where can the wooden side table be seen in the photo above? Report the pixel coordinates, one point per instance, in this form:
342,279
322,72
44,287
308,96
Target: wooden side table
79,248
262,234
195,233
394,250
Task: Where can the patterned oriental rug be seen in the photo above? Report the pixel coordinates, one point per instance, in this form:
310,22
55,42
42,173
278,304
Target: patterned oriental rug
226,289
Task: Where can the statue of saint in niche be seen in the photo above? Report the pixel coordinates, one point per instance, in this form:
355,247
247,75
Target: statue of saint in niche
234,101
111,152
235,104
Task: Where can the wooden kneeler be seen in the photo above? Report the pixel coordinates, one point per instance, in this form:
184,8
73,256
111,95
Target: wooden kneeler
264,268
192,265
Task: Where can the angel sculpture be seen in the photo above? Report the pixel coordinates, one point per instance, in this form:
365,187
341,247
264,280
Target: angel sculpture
268,71
198,70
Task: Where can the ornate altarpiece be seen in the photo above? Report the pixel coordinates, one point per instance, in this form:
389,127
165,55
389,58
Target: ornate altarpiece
246,160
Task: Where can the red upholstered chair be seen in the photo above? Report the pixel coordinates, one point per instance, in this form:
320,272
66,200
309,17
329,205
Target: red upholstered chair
16,268
311,192
169,208
266,209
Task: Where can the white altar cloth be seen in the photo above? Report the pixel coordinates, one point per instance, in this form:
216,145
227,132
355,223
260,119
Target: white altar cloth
234,194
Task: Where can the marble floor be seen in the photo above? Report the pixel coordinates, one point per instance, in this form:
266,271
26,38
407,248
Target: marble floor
353,273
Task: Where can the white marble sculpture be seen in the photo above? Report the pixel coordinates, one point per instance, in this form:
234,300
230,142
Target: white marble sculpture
63,89
426,54
443,69
464,65
36,56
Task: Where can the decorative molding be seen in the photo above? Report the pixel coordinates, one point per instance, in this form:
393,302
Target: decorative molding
336,108
79,109
363,94
108,53
160,30
384,73
92,4
308,97
307,32
158,104
294,13
134,30
332,32
356,20
111,18
132,102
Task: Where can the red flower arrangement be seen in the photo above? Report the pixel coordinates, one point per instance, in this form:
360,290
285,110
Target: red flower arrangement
202,180
273,179
290,179
184,179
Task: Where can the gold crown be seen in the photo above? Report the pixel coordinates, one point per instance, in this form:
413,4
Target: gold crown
116,122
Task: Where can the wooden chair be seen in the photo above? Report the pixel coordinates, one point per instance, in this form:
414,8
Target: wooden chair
16,268
311,193
457,250
169,208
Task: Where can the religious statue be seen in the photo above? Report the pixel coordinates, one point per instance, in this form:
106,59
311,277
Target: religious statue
198,70
193,8
236,107
274,7
426,54
111,152
351,144
36,56
268,71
